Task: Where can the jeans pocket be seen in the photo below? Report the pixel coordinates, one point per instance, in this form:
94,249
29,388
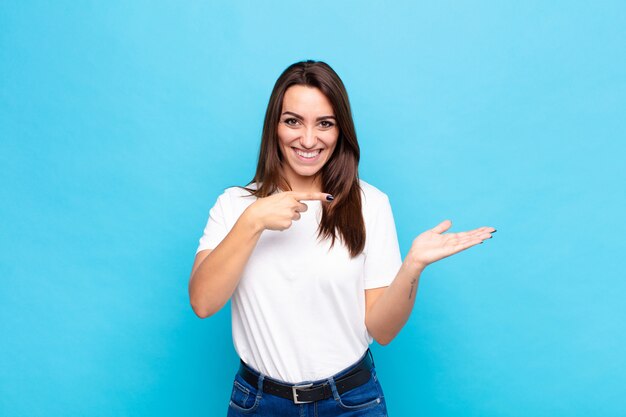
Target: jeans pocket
244,397
367,395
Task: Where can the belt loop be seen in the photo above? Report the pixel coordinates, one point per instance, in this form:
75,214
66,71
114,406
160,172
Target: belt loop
260,383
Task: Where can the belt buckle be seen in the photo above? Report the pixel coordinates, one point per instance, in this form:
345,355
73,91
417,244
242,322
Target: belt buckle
295,394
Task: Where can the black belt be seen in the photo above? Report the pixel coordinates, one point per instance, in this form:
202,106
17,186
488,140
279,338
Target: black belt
307,393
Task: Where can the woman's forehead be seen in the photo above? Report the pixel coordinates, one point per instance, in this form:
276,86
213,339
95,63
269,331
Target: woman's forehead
306,101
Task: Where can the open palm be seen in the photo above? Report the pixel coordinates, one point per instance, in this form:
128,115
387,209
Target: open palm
433,245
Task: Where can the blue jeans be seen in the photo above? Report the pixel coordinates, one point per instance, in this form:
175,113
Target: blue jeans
364,400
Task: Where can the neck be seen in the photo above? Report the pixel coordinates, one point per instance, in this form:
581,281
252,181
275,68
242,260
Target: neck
304,184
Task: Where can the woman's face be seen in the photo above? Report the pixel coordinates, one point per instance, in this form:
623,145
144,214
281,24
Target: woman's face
307,132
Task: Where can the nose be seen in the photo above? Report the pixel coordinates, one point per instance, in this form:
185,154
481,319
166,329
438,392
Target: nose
308,140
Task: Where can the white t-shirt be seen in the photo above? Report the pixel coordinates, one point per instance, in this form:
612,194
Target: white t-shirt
298,312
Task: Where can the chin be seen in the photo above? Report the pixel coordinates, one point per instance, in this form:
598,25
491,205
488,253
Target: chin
307,173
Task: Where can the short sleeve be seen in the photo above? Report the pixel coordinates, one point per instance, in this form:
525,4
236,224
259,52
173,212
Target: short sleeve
216,228
382,251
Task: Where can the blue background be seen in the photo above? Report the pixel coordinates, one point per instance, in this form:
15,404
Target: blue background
121,122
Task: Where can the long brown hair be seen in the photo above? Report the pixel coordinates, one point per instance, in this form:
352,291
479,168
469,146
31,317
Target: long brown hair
339,176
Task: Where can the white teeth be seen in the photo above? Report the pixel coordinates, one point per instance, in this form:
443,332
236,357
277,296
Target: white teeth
308,154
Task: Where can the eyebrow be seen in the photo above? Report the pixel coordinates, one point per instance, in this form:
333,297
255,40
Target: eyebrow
300,117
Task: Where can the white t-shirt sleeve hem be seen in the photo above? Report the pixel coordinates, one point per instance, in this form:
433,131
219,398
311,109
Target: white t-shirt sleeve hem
216,227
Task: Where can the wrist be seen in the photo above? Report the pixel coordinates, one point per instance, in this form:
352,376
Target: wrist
251,221
414,268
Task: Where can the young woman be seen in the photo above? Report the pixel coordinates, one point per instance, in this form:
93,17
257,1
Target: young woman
312,284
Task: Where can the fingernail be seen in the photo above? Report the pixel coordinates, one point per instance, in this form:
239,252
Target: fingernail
330,197
482,243
494,231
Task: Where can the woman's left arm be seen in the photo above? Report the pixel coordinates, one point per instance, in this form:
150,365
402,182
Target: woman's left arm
387,309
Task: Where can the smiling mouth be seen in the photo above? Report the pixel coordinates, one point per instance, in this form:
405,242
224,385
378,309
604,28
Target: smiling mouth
307,156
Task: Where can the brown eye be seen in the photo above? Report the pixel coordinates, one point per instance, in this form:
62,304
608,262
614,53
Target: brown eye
289,121
328,124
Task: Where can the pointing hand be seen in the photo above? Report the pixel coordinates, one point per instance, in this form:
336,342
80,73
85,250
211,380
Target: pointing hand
277,211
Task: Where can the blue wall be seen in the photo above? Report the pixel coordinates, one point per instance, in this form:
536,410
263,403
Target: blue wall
121,122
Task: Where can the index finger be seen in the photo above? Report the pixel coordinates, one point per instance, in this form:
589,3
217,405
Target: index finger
311,196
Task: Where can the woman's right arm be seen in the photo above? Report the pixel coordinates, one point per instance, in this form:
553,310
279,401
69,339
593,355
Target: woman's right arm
216,272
